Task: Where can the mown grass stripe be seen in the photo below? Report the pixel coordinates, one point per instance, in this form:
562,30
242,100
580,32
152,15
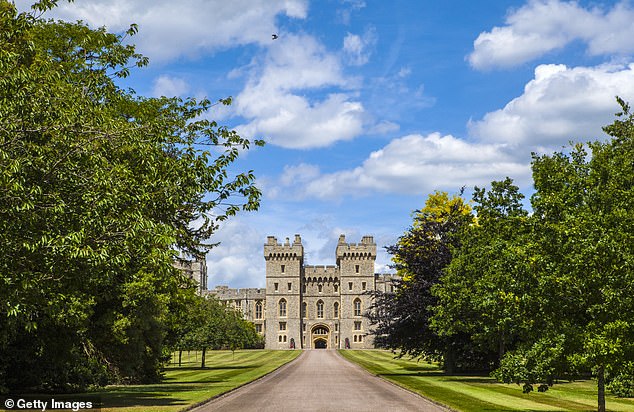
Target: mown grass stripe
480,393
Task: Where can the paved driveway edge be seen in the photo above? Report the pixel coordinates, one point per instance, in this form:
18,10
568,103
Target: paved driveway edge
396,384
222,395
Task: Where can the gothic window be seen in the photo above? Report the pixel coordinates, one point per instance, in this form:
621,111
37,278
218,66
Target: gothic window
320,309
357,307
357,325
284,338
258,309
355,338
336,288
279,338
283,308
320,288
335,310
283,325
320,331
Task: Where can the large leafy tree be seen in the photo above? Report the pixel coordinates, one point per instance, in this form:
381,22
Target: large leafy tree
485,291
402,321
98,188
584,259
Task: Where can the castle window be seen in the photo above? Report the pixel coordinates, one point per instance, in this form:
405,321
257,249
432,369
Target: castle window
283,325
282,308
284,338
360,338
304,327
355,338
283,268
279,338
258,309
319,287
349,285
357,325
276,285
356,268
290,286
336,288
336,327
320,309
363,285
303,288
258,328
304,309
357,307
336,339
335,310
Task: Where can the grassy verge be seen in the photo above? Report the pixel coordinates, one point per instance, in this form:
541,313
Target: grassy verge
188,385
480,393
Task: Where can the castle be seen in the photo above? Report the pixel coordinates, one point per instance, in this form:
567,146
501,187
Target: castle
312,307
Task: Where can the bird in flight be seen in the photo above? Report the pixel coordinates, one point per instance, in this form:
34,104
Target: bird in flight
275,36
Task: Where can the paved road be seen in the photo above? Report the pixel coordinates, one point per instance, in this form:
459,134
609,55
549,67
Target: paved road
320,380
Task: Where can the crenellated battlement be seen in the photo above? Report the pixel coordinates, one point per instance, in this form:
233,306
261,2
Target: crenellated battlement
366,249
278,251
326,271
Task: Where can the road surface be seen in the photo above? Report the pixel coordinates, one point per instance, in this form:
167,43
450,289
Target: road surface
320,380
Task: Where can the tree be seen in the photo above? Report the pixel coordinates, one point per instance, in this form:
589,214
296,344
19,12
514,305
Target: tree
209,324
584,259
402,320
99,188
485,292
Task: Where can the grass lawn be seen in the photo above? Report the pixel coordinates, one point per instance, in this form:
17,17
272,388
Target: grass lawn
188,385
481,393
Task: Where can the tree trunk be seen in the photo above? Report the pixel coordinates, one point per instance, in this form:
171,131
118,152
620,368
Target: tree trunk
450,362
601,388
202,362
180,357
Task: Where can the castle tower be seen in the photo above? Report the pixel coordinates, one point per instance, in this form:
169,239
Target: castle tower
356,269
284,267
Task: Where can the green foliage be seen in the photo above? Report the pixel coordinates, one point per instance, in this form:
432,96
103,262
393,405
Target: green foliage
209,324
98,188
402,321
485,291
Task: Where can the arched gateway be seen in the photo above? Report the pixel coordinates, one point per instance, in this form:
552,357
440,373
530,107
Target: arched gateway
320,336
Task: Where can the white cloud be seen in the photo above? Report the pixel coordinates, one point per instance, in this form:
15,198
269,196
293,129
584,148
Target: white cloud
560,104
415,164
357,49
542,26
169,29
238,260
169,86
277,99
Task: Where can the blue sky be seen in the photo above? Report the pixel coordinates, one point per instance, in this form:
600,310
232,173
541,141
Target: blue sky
369,106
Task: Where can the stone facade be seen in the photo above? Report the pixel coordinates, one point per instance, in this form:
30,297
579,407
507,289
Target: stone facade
195,269
309,307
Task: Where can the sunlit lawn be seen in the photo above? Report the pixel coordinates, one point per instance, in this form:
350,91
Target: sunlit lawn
481,393
188,385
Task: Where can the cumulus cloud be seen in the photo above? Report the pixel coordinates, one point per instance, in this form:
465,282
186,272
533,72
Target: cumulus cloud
169,29
169,86
277,99
560,104
416,164
542,26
